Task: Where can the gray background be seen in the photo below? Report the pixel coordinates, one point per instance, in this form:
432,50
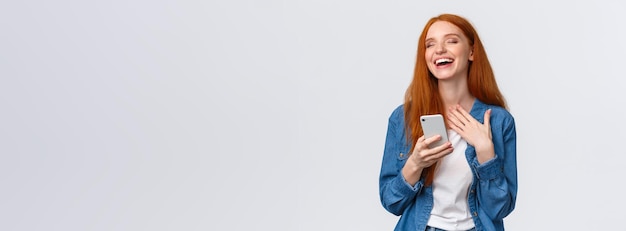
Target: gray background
271,115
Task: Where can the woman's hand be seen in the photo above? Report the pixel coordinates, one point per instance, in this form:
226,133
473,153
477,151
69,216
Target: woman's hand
472,131
423,157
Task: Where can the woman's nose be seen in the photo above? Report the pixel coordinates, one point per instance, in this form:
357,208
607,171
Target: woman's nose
440,49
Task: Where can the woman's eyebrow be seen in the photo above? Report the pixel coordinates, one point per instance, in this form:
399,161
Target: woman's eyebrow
446,35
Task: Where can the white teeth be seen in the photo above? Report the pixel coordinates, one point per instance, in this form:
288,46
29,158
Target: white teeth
438,61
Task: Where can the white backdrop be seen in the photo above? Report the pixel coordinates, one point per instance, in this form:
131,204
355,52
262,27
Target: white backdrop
271,115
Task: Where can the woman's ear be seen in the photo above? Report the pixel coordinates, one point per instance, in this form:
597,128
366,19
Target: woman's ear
471,55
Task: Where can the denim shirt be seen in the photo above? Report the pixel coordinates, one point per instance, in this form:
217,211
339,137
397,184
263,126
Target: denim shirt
492,193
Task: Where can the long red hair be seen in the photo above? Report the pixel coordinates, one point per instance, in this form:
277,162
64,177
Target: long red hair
422,96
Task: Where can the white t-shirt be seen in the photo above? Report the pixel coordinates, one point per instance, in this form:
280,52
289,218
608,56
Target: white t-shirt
450,185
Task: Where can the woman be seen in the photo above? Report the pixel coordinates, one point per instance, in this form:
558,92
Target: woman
469,182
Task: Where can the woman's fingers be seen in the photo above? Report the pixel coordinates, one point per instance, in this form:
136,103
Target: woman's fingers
487,119
425,156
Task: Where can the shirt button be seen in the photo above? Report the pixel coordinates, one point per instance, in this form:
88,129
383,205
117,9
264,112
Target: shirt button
401,155
474,214
472,191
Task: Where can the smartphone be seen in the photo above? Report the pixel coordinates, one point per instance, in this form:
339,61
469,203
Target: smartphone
434,125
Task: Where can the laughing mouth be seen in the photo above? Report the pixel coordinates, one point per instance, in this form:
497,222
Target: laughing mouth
443,61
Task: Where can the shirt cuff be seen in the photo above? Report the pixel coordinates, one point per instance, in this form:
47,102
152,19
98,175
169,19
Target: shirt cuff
490,169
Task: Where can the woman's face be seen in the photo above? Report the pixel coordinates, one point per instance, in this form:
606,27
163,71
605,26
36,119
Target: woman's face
447,51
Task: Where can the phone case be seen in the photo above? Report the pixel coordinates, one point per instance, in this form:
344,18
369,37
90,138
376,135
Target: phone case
434,125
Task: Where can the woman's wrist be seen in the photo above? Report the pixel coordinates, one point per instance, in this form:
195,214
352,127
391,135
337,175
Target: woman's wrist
411,172
485,152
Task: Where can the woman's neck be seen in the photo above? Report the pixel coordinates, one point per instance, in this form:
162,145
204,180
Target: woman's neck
456,93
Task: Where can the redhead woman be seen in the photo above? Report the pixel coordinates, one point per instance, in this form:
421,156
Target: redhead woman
469,182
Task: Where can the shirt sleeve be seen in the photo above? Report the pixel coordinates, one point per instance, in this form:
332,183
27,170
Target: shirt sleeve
497,178
395,193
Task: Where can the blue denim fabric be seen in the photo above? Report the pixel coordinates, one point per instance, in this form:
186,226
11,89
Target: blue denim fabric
493,190
428,228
